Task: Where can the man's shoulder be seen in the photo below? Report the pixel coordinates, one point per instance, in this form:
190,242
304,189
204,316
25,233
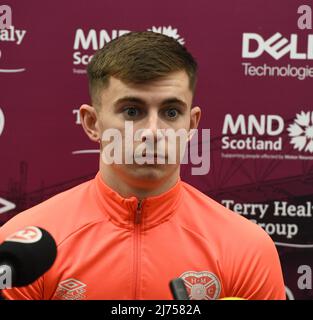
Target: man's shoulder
206,205
207,211
60,215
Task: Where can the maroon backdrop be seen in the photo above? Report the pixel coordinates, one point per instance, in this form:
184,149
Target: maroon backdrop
248,89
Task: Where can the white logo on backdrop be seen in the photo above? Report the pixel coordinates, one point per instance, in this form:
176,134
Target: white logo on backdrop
11,34
276,46
93,40
301,132
1,121
170,32
6,206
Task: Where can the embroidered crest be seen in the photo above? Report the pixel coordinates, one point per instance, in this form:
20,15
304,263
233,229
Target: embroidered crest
201,285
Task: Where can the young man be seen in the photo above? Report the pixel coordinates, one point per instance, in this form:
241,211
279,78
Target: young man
127,233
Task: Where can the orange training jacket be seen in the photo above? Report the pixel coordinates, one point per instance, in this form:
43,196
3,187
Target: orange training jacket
111,247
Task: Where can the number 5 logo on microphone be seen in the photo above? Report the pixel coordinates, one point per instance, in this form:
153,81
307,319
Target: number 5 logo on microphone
26,235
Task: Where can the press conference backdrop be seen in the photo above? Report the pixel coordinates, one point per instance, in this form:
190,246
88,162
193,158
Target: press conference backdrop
255,90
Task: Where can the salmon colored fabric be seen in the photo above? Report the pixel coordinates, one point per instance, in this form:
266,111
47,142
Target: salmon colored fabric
110,247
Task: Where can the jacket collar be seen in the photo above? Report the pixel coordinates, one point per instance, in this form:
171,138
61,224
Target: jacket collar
129,212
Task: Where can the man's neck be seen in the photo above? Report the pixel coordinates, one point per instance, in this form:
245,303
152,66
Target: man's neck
127,189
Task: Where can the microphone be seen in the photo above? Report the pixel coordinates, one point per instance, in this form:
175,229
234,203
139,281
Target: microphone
29,253
178,289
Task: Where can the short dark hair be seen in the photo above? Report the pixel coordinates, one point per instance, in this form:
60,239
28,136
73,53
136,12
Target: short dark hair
138,57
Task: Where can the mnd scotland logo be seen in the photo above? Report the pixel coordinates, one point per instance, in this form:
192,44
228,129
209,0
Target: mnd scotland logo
86,42
267,133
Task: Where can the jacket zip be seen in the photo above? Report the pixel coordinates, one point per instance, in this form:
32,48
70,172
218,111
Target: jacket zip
138,212
137,257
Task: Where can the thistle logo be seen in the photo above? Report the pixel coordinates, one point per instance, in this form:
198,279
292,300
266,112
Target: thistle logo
276,46
168,31
301,132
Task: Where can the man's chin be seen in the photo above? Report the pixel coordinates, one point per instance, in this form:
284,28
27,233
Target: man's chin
152,174
148,172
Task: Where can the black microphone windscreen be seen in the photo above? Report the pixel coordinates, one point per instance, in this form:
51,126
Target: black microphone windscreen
30,253
178,289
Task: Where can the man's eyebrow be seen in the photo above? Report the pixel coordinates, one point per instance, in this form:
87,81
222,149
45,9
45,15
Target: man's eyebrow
129,99
133,99
174,101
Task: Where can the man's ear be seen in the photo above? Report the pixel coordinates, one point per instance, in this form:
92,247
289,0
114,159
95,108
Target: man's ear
195,115
89,121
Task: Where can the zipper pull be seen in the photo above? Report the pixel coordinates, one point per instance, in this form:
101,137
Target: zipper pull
138,212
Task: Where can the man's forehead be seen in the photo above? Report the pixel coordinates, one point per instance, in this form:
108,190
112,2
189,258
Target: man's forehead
171,87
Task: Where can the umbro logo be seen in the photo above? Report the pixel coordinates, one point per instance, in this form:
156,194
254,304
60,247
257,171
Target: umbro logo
71,289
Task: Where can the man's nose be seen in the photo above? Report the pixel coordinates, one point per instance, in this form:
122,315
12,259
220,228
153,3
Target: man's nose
153,127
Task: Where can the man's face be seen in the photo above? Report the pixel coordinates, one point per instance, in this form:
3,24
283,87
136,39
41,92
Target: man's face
161,104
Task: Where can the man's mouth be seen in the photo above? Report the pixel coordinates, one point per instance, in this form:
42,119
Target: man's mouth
151,156
154,155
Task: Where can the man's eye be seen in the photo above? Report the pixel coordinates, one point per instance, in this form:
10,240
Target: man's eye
172,113
131,112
